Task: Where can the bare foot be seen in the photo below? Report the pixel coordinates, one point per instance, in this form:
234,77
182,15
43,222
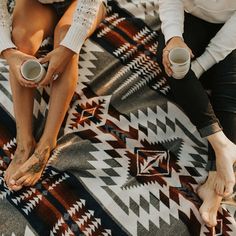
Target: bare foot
225,177
31,171
211,200
21,155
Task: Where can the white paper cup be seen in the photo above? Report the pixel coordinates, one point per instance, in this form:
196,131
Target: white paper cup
32,70
180,62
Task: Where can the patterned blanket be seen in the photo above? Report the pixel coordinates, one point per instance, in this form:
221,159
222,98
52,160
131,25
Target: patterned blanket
128,160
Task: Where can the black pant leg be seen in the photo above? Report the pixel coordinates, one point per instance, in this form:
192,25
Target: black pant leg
188,92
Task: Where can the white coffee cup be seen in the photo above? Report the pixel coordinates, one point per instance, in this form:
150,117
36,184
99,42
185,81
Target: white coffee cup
180,62
32,70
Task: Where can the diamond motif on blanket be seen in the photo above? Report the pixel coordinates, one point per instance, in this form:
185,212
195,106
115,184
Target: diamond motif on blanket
92,112
87,113
152,161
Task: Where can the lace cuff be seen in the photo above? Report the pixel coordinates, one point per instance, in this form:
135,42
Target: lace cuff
83,19
5,25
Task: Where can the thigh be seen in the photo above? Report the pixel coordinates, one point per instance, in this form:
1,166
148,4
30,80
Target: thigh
223,84
198,33
34,17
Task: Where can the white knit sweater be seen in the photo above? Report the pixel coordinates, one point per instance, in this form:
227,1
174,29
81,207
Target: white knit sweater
83,18
214,11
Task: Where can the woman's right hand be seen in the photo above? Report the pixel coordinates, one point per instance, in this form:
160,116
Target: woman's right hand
15,58
172,43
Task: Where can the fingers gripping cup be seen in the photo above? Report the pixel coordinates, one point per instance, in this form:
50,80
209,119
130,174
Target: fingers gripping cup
32,70
180,62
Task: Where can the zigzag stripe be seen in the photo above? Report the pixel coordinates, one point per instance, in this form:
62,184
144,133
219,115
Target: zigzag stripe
9,145
60,225
32,204
129,54
25,195
112,17
128,81
153,48
109,28
122,49
141,34
103,32
4,191
149,38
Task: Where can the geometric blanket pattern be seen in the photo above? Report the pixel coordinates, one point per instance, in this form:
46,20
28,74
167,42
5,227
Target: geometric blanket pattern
128,160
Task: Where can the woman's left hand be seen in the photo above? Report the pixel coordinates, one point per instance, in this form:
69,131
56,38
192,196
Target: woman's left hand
57,61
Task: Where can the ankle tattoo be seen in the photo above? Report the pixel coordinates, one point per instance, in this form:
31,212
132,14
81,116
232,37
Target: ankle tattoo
41,161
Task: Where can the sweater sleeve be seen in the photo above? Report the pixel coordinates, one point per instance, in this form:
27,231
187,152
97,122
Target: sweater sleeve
83,19
221,45
5,27
172,17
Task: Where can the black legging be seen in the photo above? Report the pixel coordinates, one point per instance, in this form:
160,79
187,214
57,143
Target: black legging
189,93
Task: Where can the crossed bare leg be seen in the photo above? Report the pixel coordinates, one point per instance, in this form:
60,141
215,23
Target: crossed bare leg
211,200
225,152
31,171
21,155
225,178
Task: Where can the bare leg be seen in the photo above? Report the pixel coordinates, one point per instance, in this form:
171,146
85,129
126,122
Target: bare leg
225,152
211,200
27,41
62,91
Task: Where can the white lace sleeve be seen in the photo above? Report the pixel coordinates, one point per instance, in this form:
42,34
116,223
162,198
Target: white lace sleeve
83,19
5,27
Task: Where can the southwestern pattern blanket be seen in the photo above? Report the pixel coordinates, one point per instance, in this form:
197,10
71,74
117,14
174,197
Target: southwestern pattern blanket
128,160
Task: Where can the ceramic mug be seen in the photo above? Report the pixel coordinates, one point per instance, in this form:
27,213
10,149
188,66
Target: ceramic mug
180,62
32,70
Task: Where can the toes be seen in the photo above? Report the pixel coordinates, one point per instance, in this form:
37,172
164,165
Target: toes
27,182
34,180
5,177
214,222
213,219
30,181
16,176
209,219
21,180
205,218
16,187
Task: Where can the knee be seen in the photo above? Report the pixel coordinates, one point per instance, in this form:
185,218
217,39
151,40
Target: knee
24,39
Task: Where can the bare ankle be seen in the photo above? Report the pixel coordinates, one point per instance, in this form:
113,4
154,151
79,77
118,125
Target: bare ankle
46,144
219,141
25,145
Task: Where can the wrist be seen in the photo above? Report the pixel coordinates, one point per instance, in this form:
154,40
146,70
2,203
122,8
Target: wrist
67,50
197,68
175,39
